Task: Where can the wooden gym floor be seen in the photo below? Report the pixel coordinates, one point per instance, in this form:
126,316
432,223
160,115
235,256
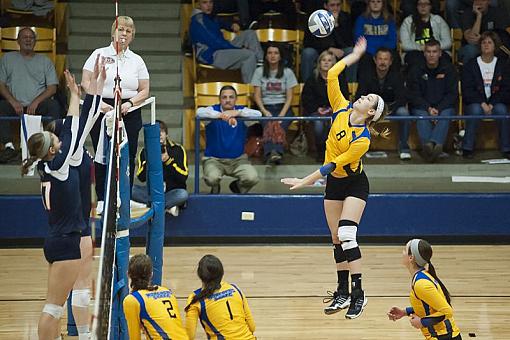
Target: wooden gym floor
285,286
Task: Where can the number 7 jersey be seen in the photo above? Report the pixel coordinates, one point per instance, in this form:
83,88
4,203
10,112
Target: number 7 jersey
156,313
224,315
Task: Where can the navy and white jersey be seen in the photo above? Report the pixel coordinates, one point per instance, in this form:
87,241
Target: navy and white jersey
60,177
89,114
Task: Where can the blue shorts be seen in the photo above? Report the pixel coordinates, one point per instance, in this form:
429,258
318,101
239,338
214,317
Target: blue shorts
62,247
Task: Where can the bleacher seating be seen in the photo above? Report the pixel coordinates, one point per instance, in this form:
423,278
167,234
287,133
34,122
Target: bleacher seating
294,37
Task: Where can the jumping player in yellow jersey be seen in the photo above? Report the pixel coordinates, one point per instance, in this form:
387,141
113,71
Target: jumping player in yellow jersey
151,308
222,307
430,309
347,185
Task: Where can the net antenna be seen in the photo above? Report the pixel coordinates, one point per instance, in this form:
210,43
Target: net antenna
102,315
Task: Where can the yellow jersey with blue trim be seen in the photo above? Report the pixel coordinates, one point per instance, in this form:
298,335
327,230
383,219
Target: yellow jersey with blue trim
429,303
346,143
156,313
224,315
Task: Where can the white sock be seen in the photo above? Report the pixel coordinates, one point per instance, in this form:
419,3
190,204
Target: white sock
58,337
9,145
83,332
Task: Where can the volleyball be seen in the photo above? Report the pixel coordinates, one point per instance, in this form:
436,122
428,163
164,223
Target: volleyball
321,23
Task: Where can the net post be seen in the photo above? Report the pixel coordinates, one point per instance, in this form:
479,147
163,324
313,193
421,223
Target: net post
120,288
156,230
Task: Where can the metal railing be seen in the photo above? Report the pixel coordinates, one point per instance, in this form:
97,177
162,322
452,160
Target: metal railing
315,118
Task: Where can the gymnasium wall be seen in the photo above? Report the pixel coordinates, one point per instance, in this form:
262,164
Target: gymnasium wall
289,218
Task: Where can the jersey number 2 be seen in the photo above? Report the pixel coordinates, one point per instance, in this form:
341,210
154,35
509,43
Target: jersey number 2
170,309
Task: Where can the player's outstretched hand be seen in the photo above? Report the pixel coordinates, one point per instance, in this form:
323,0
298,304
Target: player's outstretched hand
360,47
396,313
294,183
71,83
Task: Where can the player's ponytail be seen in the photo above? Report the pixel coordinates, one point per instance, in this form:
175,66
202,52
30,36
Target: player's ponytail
432,271
371,124
140,272
210,271
38,145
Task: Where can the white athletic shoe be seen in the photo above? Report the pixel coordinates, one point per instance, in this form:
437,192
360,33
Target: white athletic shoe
136,205
174,211
99,207
405,156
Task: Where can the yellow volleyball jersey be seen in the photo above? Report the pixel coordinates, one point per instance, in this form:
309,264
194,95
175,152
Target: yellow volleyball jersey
156,313
346,143
429,303
223,315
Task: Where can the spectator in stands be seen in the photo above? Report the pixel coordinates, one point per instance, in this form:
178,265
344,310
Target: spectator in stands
211,47
27,83
486,91
225,140
379,28
241,7
287,8
175,173
482,18
135,89
273,84
433,91
37,7
419,28
455,8
310,6
339,42
315,99
408,7
388,83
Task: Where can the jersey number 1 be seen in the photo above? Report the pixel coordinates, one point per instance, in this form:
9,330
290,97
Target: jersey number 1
170,309
230,311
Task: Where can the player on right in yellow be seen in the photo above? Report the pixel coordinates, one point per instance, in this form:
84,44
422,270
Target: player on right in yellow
347,186
151,308
430,308
222,307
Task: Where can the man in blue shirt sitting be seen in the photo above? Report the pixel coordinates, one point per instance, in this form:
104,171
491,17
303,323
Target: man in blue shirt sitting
225,139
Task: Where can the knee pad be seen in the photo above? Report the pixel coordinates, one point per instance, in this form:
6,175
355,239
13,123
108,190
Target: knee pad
347,231
339,254
54,310
81,298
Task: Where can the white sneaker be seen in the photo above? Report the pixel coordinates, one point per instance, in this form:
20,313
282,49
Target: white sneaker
174,211
405,156
99,207
136,205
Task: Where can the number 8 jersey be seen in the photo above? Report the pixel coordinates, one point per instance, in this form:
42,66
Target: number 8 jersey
346,143
223,315
154,311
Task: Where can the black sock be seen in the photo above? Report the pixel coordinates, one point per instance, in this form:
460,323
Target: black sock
343,281
356,282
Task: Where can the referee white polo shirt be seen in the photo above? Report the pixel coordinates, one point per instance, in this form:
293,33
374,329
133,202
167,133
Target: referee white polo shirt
131,69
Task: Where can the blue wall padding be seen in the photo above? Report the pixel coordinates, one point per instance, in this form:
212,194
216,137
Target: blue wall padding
289,215
156,231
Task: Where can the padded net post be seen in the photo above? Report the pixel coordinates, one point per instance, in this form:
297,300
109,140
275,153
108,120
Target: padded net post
156,230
